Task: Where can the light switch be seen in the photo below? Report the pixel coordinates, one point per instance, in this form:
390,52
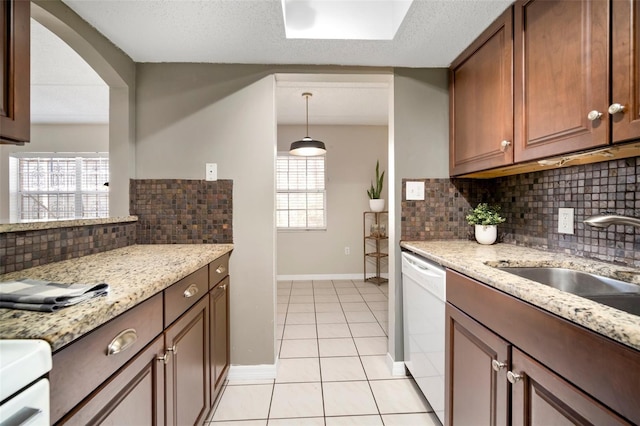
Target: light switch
415,191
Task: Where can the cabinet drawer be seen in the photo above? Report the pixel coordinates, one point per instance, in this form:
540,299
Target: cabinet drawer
184,294
83,365
134,396
218,269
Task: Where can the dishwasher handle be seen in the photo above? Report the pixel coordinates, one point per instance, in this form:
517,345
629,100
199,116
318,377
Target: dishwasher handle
424,269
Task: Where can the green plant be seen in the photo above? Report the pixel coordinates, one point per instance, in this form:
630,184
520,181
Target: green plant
374,192
484,214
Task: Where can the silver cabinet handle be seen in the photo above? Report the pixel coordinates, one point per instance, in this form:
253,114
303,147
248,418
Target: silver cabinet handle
504,145
594,115
616,108
513,377
165,358
173,349
123,341
191,291
497,365
221,269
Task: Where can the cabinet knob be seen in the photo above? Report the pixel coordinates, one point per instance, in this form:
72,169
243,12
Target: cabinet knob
504,145
616,108
165,358
123,341
497,365
191,291
594,115
173,349
513,377
220,269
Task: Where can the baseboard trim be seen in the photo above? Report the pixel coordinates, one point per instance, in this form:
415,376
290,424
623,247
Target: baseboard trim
324,277
252,372
397,367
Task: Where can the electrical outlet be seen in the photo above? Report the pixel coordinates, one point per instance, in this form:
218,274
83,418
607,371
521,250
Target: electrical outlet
565,221
414,190
211,171
347,251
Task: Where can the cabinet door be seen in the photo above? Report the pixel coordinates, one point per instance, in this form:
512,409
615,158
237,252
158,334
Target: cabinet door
625,69
187,371
539,397
476,390
219,336
135,395
481,101
15,118
560,62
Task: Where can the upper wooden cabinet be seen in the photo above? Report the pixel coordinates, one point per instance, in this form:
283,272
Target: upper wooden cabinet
576,86
625,72
481,101
561,65
15,117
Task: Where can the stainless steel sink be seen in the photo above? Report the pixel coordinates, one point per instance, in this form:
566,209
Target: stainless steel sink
608,291
575,282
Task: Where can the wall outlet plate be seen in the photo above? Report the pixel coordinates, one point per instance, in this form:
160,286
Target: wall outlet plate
565,220
415,191
211,171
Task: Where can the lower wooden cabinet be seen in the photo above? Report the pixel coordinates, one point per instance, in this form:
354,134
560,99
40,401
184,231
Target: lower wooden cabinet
134,396
475,393
508,362
169,376
219,315
541,397
187,367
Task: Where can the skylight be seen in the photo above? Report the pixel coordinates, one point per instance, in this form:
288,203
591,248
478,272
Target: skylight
344,19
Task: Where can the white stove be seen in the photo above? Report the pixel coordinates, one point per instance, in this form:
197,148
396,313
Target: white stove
24,392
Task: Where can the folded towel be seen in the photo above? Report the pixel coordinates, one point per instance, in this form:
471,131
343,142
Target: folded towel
36,295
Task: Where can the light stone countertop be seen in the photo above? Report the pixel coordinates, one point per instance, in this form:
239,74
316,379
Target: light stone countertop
54,224
134,274
477,261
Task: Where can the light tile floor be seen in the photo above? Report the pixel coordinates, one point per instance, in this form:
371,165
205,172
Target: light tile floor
332,371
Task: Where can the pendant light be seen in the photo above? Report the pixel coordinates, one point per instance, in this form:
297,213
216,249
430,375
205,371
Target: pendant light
307,147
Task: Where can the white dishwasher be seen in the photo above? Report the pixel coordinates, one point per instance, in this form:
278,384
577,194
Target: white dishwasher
423,291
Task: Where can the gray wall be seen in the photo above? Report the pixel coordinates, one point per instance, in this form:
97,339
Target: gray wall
190,114
351,156
420,149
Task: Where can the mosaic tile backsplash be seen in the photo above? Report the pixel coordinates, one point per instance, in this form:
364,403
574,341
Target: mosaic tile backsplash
25,249
179,211
530,204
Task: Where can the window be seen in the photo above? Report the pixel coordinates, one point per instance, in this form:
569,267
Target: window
300,192
53,186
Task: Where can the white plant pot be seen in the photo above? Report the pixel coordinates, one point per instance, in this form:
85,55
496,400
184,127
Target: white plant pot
376,205
486,234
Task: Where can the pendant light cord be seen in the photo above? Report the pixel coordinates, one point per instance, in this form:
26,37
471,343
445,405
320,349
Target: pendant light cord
306,95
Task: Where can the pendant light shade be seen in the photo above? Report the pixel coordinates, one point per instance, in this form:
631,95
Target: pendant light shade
307,147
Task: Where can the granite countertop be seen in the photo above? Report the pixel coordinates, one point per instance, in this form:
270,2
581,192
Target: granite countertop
68,223
134,274
478,261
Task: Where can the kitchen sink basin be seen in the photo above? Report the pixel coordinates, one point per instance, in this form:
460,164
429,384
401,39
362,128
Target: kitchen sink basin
608,291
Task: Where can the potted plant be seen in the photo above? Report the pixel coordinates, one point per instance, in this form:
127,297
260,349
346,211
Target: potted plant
376,204
485,217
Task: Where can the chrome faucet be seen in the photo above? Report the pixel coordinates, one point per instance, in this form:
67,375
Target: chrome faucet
606,219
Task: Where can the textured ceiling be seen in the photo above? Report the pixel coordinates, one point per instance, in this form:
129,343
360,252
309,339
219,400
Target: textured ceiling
66,89
433,33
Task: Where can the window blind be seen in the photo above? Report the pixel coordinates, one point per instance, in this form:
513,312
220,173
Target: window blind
300,192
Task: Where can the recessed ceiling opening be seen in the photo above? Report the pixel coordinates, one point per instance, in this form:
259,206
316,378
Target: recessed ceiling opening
344,20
